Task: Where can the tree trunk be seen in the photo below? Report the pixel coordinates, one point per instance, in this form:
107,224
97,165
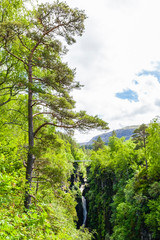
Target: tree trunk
30,161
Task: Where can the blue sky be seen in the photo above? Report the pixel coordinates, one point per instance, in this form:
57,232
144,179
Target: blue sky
128,94
154,73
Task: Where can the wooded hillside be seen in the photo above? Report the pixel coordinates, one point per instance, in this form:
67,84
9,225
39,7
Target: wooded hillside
49,185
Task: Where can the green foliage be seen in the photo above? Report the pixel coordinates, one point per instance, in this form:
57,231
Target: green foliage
41,223
52,214
31,63
123,194
152,149
123,183
152,219
10,9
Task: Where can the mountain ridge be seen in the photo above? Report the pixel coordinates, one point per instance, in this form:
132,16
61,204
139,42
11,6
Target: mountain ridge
126,132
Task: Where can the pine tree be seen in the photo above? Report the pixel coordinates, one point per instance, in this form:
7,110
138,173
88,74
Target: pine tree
98,144
140,138
34,42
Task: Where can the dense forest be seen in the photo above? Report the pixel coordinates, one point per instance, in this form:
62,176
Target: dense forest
50,187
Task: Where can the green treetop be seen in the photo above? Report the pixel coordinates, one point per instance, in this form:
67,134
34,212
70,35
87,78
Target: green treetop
140,136
98,144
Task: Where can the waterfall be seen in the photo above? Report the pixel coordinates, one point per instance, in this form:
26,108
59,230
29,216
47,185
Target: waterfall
84,206
84,211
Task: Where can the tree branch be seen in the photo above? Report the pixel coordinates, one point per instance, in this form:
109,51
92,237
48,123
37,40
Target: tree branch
46,33
23,43
36,114
53,124
15,55
9,99
11,109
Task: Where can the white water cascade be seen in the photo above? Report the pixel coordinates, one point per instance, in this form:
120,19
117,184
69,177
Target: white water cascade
84,206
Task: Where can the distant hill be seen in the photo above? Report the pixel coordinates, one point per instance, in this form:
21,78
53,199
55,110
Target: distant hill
126,132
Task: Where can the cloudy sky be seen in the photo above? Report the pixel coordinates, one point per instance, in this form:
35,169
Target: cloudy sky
118,61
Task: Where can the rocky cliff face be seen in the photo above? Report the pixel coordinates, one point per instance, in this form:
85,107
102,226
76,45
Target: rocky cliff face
126,132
